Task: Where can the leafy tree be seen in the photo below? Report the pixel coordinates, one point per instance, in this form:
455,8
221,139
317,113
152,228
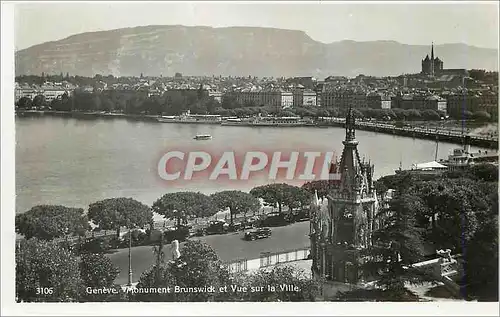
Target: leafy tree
263,111
45,265
107,105
277,194
481,116
47,222
212,104
198,266
357,113
297,197
390,113
430,115
39,101
152,105
237,201
176,103
323,112
484,172
466,115
481,262
400,182
114,213
397,245
322,186
457,204
24,103
135,105
286,113
97,272
182,206
277,276
334,112
413,114
401,114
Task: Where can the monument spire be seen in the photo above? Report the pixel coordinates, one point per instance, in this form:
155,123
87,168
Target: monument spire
350,125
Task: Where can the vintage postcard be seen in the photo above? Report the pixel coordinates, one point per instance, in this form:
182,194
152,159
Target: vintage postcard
224,154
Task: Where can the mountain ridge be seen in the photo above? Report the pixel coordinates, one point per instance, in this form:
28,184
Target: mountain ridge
238,51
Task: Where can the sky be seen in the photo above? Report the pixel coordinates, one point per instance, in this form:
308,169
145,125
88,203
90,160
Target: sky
409,23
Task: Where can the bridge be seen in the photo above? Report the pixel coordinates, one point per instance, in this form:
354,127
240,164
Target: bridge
435,134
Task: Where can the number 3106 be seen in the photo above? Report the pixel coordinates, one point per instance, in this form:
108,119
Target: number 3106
44,291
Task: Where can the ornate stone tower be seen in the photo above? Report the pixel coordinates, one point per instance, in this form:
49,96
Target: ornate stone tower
341,229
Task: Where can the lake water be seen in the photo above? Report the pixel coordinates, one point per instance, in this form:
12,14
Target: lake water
77,162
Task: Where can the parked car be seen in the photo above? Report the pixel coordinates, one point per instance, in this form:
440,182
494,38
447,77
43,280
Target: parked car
259,233
217,227
275,219
236,226
302,215
251,222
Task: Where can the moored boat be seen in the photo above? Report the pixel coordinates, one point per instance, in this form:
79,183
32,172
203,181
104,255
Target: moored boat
203,137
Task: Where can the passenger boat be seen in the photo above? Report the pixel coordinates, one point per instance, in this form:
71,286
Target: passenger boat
278,122
464,157
236,121
191,118
203,137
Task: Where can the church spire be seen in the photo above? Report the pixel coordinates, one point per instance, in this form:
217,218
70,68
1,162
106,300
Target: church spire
432,59
350,123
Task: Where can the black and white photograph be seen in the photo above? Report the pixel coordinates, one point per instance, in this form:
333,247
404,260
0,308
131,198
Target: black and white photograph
228,153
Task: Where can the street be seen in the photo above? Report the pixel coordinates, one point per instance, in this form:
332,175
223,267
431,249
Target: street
229,247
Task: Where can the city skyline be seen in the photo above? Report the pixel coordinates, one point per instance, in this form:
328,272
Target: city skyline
469,23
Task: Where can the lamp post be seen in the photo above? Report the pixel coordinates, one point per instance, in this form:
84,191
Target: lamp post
129,258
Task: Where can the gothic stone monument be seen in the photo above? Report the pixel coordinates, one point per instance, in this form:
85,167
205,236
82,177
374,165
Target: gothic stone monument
342,228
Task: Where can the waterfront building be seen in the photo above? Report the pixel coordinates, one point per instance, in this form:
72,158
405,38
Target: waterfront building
27,91
309,98
378,100
49,91
217,95
286,99
341,228
52,93
436,103
298,96
276,98
343,98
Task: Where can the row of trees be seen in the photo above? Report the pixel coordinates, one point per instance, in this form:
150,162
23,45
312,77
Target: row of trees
134,102
47,222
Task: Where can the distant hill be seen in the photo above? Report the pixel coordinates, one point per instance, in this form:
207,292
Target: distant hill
236,51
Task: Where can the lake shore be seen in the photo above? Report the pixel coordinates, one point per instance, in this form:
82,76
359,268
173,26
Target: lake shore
485,135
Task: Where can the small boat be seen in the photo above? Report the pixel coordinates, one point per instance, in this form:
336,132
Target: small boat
203,137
